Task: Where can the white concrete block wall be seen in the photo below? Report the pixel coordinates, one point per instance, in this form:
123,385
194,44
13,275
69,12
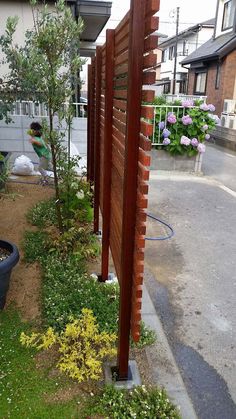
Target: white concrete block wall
14,137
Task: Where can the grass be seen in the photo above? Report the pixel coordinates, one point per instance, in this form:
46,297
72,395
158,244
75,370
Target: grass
23,387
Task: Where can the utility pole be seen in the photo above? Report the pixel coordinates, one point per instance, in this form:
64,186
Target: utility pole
176,50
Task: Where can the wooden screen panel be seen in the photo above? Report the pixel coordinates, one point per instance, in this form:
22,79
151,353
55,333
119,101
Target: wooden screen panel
102,125
91,121
126,124
149,60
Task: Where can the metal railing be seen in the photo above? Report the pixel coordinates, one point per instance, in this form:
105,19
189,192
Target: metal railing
161,114
40,110
171,98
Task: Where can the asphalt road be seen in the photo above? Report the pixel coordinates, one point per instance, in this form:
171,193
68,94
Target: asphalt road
194,291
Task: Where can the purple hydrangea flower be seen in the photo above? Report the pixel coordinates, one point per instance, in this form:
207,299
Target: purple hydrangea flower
194,142
185,140
187,120
187,103
166,133
204,107
207,137
166,141
211,108
171,118
161,125
205,127
201,148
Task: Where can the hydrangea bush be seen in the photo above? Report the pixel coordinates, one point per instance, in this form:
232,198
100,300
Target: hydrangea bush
185,129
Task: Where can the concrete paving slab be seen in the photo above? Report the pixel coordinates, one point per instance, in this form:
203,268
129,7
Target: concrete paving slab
165,372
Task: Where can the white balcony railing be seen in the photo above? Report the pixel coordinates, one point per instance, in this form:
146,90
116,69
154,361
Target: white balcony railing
40,110
171,98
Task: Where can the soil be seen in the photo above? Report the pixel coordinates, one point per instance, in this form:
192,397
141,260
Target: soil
25,279
4,254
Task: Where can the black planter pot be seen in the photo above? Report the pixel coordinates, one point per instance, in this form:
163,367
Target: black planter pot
6,268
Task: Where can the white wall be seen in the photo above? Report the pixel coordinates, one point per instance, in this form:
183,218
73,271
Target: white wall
220,18
23,11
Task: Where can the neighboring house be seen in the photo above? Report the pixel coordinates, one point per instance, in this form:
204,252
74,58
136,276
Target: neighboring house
212,67
187,42
95,14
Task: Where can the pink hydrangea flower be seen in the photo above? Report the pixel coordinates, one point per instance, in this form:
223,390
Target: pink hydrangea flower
204,107
161,125
187,120
207,137
194,142
166,133
201,148
185,140
211,107
205,127
166,141
171,118
187,103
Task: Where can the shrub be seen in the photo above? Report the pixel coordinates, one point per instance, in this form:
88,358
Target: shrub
67,290
142,403
35,245
81,346
183,130
43,214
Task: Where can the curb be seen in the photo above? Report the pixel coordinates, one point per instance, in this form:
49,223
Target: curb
165,372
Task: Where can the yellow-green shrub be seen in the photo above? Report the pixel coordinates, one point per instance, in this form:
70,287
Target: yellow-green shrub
81,347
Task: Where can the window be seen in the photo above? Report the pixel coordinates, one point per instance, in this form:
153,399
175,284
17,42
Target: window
171,53
185,48
228,15
164,55
166,89
200,83
218,71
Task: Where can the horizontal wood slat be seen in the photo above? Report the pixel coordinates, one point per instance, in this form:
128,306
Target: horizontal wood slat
152,7
150,43
148,95
120,104
151,25
149,60
147,112
122,69
120,94
146,129
122,58
149,77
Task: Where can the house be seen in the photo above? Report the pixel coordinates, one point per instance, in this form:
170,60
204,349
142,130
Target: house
95,14
212,67
187,41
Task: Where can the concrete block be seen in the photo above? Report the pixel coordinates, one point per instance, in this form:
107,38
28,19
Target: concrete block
133,380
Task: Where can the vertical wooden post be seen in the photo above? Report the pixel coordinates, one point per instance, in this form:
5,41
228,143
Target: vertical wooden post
109,71
98,67
135,72
89,123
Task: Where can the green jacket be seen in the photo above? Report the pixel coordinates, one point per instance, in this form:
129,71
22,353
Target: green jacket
42,151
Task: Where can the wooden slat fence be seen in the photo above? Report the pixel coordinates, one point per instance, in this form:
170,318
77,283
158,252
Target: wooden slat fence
121,141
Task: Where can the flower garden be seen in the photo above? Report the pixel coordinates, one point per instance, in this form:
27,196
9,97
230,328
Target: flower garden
182,128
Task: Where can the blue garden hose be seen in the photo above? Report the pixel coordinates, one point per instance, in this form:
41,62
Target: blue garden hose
171,234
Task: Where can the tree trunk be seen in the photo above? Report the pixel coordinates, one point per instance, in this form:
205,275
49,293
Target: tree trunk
58,203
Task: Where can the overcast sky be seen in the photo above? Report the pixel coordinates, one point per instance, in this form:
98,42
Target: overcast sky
191,12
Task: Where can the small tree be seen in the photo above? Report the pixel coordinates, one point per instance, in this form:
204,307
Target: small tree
45,69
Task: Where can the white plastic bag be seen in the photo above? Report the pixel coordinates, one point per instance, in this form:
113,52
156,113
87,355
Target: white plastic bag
23,166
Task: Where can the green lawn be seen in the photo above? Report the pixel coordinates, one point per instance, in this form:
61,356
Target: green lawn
23,387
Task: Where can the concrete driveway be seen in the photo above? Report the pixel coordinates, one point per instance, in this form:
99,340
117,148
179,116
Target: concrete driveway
193,285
